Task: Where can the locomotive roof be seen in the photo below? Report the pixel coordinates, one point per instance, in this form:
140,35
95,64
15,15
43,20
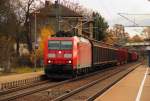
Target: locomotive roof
60,38
94,42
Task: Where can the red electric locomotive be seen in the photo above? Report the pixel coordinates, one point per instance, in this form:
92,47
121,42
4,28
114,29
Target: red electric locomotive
65,55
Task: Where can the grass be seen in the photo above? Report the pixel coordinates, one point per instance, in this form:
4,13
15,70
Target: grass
26,69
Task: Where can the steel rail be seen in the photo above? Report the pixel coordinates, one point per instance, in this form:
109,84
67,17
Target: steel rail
78,90
93,97
37,88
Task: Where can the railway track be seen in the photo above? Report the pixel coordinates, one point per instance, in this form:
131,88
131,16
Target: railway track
92,90
57,90
13,93
26,90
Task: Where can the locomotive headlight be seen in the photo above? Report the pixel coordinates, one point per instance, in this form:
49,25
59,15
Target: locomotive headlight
67,55
51,55
49,61
69,61
59,52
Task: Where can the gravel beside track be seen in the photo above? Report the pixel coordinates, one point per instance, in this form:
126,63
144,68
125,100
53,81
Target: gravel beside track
30,89
20,93
90,91
65,88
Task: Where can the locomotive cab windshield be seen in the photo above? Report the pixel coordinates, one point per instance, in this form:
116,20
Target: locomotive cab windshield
59,45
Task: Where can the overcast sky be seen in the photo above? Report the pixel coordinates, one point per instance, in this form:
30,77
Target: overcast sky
109,9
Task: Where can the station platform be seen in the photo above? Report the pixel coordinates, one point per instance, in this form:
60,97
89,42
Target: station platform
134,87
17,77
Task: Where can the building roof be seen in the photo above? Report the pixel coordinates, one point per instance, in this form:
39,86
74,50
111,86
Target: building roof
51,11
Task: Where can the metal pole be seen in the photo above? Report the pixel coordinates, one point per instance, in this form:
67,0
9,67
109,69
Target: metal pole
35,45
58,15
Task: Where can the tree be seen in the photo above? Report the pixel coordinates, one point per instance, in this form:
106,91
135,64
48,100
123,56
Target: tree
146,33
7,33
27,7
110,37
23,9
100,27
76,7
12,20
14,27
5,12
45,33
136,38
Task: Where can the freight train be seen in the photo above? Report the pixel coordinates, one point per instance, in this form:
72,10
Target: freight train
67,57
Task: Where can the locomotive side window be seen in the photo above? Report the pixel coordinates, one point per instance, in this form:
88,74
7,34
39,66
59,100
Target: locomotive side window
54,45
66,45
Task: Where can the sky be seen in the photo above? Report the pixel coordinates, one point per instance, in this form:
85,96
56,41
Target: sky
109,9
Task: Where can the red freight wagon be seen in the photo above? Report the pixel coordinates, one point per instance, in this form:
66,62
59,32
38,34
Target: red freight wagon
122,55
134,56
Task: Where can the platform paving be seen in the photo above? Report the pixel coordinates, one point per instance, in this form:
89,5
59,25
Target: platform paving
145,96
133,87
